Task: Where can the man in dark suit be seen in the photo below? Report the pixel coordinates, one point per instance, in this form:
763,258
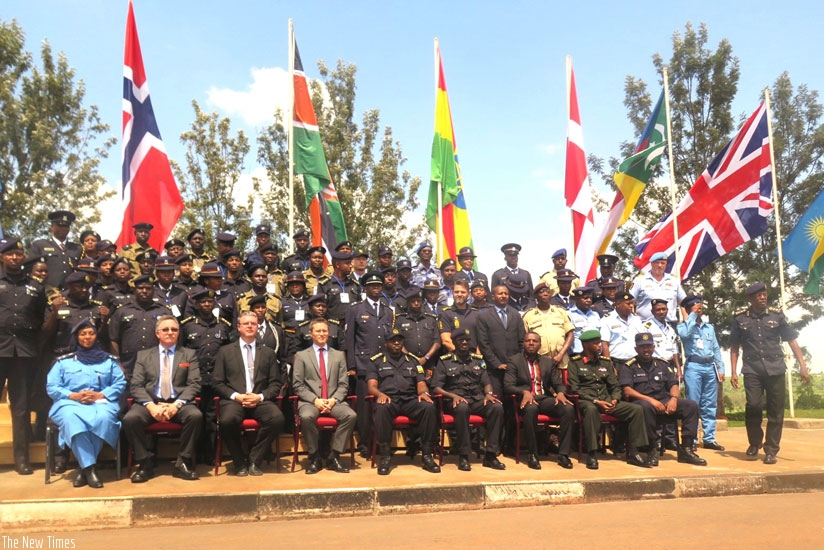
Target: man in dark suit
321,382
164,385
531,377
248,380
500,335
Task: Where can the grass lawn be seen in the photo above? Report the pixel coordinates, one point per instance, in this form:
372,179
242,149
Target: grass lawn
736,419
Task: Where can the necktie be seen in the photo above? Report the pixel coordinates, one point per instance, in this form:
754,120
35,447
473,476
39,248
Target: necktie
536,378
166,377
324,384
376,307
250,368
502,314
261,329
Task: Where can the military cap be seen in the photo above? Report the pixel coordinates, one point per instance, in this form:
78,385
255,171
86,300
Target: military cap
393,334
607,260
295,277
263,229
421,246
643,338
565,275
372,278
7,245
77,277
267,247
183,258
104,258
337,255
404,264
460,333
624,297
142,280
211,269
589,335
87,265
320,249
225,237
559,252
466,252
254,267
388,269
259,299
755,288
301,233
657,301
384,250
165,263
202,294
449,262
31,260
143,226
413,292
121,260
658,256
174,242
193,232
582,291
478,283
511,248
690,300
343,244
147,256
516,282
321,297
609,282
431,284
231,254
62,217
539,287
105,245
360,253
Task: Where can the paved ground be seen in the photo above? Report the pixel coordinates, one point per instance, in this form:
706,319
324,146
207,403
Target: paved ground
780,521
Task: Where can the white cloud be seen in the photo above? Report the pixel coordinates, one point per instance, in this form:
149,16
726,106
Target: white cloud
549,148
269,90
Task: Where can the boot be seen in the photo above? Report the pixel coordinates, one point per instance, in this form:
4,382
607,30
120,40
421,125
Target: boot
688,456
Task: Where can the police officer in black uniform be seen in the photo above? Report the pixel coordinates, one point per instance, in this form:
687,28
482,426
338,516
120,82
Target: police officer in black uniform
295,307
121,291
166,289
299,261
563,297
420,330
341,290
397,382
263,234
211,278
394,297
606,265
605,302
61,255
759,330
466,258
460,315
22,306
462,379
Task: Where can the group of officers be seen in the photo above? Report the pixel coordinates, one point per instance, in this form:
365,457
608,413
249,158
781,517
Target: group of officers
402,338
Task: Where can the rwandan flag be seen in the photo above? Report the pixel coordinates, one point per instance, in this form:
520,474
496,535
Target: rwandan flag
328,228
446,173
804,246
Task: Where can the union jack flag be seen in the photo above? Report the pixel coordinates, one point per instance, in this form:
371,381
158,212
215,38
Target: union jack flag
725,208
149,193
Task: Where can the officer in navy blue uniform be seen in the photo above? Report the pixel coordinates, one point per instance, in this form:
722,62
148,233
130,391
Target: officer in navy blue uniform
295,307
606,265
366,322
341,290
563,298
466,258
263,234
211,278
420,330
61,255
397,382
166,289
299,261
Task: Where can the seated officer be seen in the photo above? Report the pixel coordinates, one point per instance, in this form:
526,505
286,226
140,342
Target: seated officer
396,379
649,382
462,379
592,377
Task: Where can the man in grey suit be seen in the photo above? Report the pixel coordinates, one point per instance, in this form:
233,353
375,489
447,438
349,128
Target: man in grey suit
321,382
247,378
164,385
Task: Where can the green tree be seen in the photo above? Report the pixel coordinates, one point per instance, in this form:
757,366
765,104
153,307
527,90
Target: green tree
214,163
365,162
50,143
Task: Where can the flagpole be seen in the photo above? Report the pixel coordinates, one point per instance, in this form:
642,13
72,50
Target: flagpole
776,202
677,267
290,121
569,115
439,215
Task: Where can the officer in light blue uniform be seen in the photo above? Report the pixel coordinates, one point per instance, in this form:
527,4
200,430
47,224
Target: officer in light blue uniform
583,316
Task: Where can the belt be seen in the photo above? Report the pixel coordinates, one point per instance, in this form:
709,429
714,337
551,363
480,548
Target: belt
702,360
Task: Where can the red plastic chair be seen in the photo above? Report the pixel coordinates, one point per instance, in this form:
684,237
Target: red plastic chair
399,423
543,420
168,429
325,424
248,425
448,423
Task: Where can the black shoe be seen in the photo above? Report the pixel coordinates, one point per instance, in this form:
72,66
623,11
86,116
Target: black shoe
491,461
80,480
770,459
463,463
91,476
564,462
60,463
383,466
686,455
636,460
23,468
752,452
652,458
143,474
713,446
670,446
241,470
254,469
311,468
428,463
336,465
592,461
364,451
533,462
182,470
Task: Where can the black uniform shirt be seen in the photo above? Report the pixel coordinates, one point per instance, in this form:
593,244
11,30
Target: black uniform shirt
397,377
653,379
760,337
22,304
467,377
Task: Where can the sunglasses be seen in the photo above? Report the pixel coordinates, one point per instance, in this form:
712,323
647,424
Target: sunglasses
169,329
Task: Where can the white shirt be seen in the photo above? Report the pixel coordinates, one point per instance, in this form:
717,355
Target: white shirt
160,353
250,383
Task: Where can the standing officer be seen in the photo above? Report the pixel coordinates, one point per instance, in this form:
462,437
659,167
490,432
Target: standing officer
521,278
552,324
703,366
263,234
315,274
166,290
563,283
425,271
142,232
420,330
22,306
462,379
197,239
299,261
657,284
466,257
759,329
606,265
384,257
341,290
60,254
295,307
582,316
608,289
559,261
397,382
395,297
618,330
276,279
404,270
460,315
592,377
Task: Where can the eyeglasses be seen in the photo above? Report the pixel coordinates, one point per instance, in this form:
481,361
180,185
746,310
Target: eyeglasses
169,329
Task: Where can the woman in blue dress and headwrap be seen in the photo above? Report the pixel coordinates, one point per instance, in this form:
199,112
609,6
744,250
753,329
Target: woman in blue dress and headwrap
85,387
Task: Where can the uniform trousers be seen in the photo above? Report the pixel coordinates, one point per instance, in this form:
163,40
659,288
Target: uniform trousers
764,391
550,407
631,413
232,414
493,414
686,410
15,370
138,418
364,410
702,387
424,413
341,412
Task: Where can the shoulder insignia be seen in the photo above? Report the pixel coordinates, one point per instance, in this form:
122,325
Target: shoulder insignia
447,308
227,323
741,311
127,247
413,356
186,320
476,356
545,274
773,309
631,362
304,323
575,357
427,314
446,356
96,302
333,321
376,357
65,356
604,358
648,324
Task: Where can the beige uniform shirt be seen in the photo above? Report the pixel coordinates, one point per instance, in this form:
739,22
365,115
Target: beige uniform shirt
552,325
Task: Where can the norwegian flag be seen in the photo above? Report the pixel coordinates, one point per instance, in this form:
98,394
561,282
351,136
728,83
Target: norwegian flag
725,208
150,193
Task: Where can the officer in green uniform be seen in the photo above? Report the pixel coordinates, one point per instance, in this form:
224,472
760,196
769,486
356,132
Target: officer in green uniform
142,232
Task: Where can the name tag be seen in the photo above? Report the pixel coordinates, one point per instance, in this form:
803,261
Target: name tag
270,288
216,312
344,298
699,343
175,311
300,315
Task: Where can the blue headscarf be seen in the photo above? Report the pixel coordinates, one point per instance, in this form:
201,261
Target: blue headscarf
93,355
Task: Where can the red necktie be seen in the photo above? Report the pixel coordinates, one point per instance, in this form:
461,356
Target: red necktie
536,378
324,385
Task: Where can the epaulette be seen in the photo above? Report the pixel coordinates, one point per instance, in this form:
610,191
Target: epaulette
413,356
446,356
648,324
604,358
447,308
376,357
474,308
741,311
476,356
65,356
631,362
430,314
187,319
333,322
96,302
773,309
127,247
115,357
323,279
575,357
303,324
544,275
228,323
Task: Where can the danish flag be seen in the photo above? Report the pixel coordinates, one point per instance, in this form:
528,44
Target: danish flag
727,206
149,192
